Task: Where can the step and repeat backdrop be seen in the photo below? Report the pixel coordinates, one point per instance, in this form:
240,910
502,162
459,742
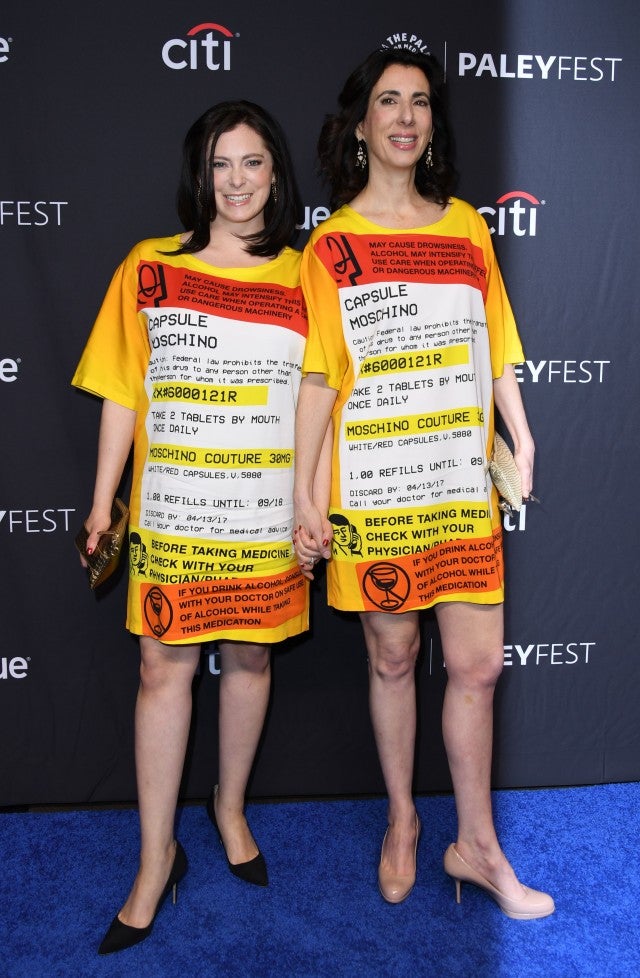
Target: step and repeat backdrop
544,106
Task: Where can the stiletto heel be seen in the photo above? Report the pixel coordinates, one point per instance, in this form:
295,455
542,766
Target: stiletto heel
531,905
120,936
254,870
395,888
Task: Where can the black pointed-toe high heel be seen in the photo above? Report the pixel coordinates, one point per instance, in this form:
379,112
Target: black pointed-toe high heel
120,936
254,870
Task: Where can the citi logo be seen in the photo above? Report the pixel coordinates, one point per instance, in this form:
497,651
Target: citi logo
515,213
202,49
213,663
516,521
15,668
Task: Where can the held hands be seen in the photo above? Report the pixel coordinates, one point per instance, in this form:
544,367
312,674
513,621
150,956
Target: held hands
312,535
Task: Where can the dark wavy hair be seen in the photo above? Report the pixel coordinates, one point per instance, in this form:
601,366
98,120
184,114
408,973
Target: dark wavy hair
337,145
196,200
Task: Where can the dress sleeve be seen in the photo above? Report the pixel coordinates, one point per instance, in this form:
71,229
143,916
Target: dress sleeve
116,356
325,351
504,339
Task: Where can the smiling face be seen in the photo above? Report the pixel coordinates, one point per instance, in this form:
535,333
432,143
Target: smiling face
398,124
242,170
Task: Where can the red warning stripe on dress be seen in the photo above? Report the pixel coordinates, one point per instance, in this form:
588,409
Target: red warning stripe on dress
362,259
161,285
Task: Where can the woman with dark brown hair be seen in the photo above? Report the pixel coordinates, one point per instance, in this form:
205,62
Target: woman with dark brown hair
411,343
187,319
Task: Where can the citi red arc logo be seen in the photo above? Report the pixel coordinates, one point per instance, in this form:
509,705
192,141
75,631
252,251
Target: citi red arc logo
209,27
517,193
200,49
514,213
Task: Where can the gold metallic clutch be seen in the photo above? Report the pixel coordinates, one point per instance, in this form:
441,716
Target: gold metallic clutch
504,473
104,559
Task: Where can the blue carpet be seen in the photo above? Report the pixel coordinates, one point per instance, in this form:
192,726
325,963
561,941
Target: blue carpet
64,875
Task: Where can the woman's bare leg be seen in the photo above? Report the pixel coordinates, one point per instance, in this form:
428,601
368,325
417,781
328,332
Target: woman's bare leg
163,717
392,643
244,696
472,641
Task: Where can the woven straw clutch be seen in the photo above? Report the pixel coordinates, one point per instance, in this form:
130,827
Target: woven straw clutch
504,473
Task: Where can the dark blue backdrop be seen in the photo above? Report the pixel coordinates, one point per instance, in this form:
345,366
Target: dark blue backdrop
544,104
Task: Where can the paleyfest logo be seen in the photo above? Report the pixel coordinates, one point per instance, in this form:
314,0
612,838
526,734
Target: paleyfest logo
206,46
514,213
541,67
21,521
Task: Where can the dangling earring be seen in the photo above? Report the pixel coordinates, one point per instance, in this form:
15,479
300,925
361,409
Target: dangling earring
274,191
361,155
428,157
199,194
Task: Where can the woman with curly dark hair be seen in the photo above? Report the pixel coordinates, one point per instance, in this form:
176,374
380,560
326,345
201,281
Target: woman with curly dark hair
411,342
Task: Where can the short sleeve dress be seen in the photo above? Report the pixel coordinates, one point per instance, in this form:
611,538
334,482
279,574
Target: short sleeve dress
210,360
410,327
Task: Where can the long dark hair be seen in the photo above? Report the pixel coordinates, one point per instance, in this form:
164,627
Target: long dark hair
337,145
196,201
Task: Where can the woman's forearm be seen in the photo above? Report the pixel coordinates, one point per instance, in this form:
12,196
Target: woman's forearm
315,403
312,530
508,400
117,425
322,480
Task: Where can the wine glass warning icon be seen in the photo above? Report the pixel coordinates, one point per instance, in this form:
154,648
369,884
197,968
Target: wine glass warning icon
386,586
158,611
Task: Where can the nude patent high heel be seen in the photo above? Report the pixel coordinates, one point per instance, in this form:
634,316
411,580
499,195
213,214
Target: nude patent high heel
393,887
530,906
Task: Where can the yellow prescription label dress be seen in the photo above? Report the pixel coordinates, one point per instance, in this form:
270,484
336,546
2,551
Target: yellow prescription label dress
210,359
410,327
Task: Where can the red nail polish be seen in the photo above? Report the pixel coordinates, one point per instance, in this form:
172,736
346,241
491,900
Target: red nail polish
89,550
324,543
